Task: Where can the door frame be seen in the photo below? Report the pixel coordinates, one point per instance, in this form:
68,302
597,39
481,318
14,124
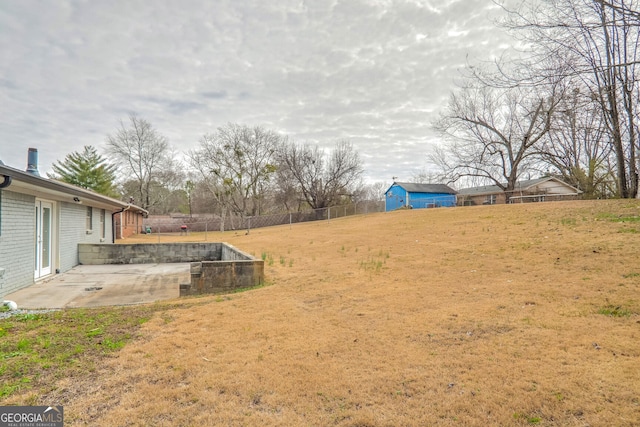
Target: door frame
44,238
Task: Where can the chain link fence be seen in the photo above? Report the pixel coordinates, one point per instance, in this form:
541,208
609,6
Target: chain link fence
179,223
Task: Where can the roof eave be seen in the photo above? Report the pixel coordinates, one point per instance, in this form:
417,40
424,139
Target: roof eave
42,187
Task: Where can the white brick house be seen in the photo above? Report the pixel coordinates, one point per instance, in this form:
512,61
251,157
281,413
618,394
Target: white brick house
43,220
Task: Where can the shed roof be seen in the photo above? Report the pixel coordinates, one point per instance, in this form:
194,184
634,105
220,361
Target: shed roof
520,186
19,181
413,187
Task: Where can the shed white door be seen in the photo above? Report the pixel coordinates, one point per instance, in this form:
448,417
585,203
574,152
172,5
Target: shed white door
44,222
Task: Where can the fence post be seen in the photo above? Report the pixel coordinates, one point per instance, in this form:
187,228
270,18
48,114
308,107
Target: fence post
289,220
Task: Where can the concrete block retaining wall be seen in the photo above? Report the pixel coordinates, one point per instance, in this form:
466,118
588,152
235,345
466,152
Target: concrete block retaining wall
223,276
215,267
149,253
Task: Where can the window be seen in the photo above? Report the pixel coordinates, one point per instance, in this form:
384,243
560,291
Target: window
89,218
103,228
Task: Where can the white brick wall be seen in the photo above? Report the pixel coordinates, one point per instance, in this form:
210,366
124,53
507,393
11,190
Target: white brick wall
17,236
73,230
17,255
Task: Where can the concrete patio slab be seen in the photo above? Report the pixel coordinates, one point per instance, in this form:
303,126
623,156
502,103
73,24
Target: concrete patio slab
104,285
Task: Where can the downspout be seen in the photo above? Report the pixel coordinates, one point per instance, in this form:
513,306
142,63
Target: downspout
113,223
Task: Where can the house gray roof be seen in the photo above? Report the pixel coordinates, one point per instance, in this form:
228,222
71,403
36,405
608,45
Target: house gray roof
12,179
412,187
520,186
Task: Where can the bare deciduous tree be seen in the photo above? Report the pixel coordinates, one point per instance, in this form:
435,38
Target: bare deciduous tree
623,7
575,146
237,163
493,133
425,176
376,191
321,179
143,155
217,187
599,41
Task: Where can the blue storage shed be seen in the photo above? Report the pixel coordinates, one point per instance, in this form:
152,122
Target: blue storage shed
418,196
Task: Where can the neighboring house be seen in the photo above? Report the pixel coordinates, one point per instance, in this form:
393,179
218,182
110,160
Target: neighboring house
43,220
533,190
417,196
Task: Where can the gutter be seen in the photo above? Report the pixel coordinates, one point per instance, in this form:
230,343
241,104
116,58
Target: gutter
21,178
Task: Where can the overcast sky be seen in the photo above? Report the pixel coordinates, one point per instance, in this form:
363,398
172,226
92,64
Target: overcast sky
374,72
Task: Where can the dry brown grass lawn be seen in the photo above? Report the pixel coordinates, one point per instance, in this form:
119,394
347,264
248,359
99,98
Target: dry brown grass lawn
493,315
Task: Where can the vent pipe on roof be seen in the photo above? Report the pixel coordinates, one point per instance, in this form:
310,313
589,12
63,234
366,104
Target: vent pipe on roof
32,162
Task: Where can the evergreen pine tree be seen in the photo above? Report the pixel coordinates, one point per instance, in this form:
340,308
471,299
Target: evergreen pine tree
87,169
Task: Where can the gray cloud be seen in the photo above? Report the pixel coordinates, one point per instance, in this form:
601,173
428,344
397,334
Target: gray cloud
221,94
375,73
